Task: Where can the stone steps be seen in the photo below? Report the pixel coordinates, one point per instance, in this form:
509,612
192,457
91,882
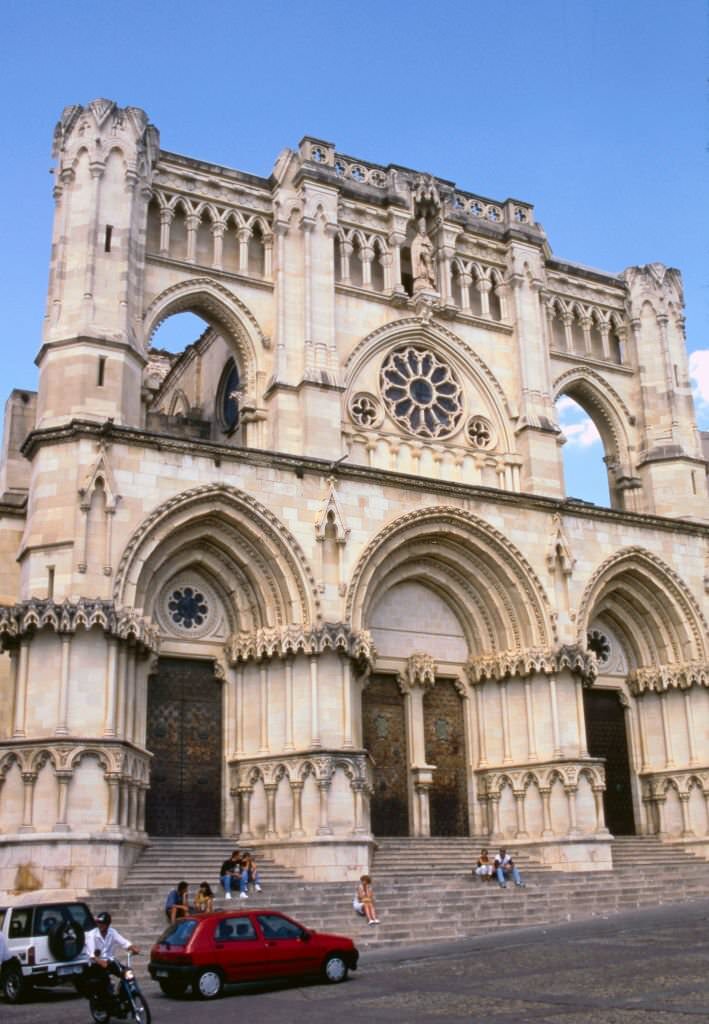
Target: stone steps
424,890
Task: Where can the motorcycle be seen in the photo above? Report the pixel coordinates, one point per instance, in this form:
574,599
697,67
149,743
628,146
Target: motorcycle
125,1001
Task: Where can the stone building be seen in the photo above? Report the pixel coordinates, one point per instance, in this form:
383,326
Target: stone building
316,579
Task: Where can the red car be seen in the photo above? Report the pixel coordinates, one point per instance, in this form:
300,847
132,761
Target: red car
212,950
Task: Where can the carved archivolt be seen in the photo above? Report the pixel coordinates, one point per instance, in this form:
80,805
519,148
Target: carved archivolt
452,537
268,552
519,664
568,773
291,640
69,616
655,605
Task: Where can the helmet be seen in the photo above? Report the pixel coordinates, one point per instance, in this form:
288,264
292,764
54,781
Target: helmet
103,918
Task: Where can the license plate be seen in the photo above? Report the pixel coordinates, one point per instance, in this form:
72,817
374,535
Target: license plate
161,974
69,970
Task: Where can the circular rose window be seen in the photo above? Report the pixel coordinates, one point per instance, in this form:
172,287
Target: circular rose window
189,607
421,392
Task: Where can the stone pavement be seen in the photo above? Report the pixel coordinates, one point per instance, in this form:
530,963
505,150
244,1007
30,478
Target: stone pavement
639,967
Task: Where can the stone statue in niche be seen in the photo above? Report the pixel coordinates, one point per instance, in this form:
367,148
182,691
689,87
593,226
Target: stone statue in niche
422,260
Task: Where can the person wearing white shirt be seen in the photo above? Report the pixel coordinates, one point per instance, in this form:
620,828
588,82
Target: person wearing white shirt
102,943
506,867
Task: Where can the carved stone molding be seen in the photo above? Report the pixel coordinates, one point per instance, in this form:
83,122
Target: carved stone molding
518,664
521,777
117,759
420,671
656,784
247,771
125,624
290,640
661,678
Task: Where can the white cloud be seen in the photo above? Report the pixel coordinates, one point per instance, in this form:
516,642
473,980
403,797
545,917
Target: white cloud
582,434
699,376
565,404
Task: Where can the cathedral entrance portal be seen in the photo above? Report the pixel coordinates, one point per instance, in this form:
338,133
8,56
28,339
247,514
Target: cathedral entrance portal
445,748
606,736
184,735
384,728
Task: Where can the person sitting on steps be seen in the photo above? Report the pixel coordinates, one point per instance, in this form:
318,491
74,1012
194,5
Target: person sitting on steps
249,875
505,867
485,869
229,872
204,900
176,904
365,896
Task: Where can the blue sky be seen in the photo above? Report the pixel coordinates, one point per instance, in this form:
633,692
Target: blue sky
593,111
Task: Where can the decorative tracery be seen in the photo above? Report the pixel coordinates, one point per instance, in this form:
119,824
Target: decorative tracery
421,392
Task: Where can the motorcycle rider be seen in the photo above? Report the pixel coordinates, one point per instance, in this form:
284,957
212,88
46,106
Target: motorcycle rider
100,947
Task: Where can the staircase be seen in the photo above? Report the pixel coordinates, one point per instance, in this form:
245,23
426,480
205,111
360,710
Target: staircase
424,889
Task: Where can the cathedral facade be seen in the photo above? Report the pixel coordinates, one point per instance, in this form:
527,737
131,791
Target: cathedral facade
315,579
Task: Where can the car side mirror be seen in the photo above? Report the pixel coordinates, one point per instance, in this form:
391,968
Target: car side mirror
305,937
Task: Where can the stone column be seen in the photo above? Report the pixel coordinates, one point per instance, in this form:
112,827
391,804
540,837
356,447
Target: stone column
661,825
245,792
666,732
347,741
20,723
112,782
689,717
218,229
239,709
529,711
62,728
131,694
581,719
493,800
323,791
521,832
644,766
506,754
243,234
289,725
296,788
465,281
109,728
28,780
268,257
422,785
687,829
571,808
558,752
357,807
480,718
545,793
132,807
236,811
141,808
263,707
123,790
484,286
121,702
345,253
366,255
63,780
396,240
314,705
192,224
271,790
167,216
600,826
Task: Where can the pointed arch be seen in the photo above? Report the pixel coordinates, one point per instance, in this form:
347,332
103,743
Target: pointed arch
235,537
221,309
649,605
467,562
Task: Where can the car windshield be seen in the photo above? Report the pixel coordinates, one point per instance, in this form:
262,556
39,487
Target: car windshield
178,934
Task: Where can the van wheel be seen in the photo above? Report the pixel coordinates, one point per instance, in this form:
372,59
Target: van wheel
13,984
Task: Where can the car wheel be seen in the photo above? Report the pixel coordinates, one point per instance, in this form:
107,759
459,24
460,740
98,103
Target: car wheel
209,984
13,984
173,989
335,969
66,940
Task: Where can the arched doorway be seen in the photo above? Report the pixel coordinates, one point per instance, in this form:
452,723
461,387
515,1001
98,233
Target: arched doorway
606,737
184,735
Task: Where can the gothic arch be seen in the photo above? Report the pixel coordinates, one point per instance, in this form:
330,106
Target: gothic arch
503,608
220,308
417,330
231,527
649,605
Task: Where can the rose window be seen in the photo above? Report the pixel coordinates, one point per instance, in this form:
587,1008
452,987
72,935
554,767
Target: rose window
421,393
600,645
365,410
480,432
188,607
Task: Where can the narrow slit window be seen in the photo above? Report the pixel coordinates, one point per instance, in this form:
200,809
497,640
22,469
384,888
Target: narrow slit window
107,238
50,582
101,371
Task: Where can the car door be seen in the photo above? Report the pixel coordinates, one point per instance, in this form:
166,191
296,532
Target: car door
239,949
287,953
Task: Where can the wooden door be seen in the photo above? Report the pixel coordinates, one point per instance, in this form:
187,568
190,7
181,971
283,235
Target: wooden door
184,735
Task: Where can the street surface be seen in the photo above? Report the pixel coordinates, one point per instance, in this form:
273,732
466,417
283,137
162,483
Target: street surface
642,967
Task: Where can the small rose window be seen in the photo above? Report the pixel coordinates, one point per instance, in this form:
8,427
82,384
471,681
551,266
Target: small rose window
421,392
188,607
